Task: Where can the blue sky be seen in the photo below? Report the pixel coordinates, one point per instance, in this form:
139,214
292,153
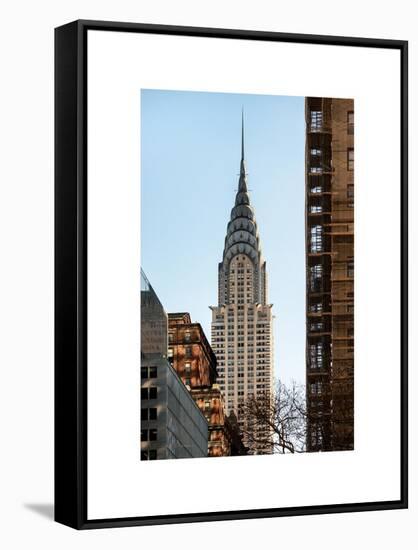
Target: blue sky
190,154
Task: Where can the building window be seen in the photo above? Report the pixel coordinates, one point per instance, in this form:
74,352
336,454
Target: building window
350,195
316,152
315,209
316,170
148,372
144,435
316,388
350,122
153,413
350,267
151,454
144,414
316,355
152,394
350,159
188,351
144,393
187,336
316,120
316,437
315,307
316,238
153,372
153,434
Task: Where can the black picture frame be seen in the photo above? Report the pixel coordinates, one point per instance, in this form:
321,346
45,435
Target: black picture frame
71,339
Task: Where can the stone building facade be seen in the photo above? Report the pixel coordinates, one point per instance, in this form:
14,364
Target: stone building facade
242,322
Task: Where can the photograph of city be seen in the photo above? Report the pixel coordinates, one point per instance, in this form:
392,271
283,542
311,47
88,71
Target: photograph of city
247,274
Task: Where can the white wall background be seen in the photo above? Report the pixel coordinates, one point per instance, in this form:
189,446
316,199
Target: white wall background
26,300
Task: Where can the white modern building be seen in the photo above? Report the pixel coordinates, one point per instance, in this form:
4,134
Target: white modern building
242,331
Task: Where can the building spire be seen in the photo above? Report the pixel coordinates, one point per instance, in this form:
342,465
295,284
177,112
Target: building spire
242,134
243,173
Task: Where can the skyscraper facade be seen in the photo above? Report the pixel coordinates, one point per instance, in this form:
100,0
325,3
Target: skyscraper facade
242,322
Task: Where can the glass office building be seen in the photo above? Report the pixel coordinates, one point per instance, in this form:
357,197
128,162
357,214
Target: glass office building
172,425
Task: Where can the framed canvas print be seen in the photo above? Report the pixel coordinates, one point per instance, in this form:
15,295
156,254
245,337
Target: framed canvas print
231,274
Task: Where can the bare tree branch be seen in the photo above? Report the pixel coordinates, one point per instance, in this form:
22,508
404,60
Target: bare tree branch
276,422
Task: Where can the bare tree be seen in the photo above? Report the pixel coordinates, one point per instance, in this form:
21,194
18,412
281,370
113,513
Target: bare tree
276,422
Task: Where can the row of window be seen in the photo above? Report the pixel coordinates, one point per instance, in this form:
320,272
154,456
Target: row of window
231,312
316,121
220,330
240,316
217,344
264,353
315,152
261,366
240,270
240,363
220,340
259,384
260,340
261,344
230,317
250,377
317,189
187,337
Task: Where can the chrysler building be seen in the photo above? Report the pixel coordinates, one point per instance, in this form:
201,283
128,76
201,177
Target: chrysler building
242,331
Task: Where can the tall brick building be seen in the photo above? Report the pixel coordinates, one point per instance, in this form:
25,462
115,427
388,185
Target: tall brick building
330,273
190,353
192,358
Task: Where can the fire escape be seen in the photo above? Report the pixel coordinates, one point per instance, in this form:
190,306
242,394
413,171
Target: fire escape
318,280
